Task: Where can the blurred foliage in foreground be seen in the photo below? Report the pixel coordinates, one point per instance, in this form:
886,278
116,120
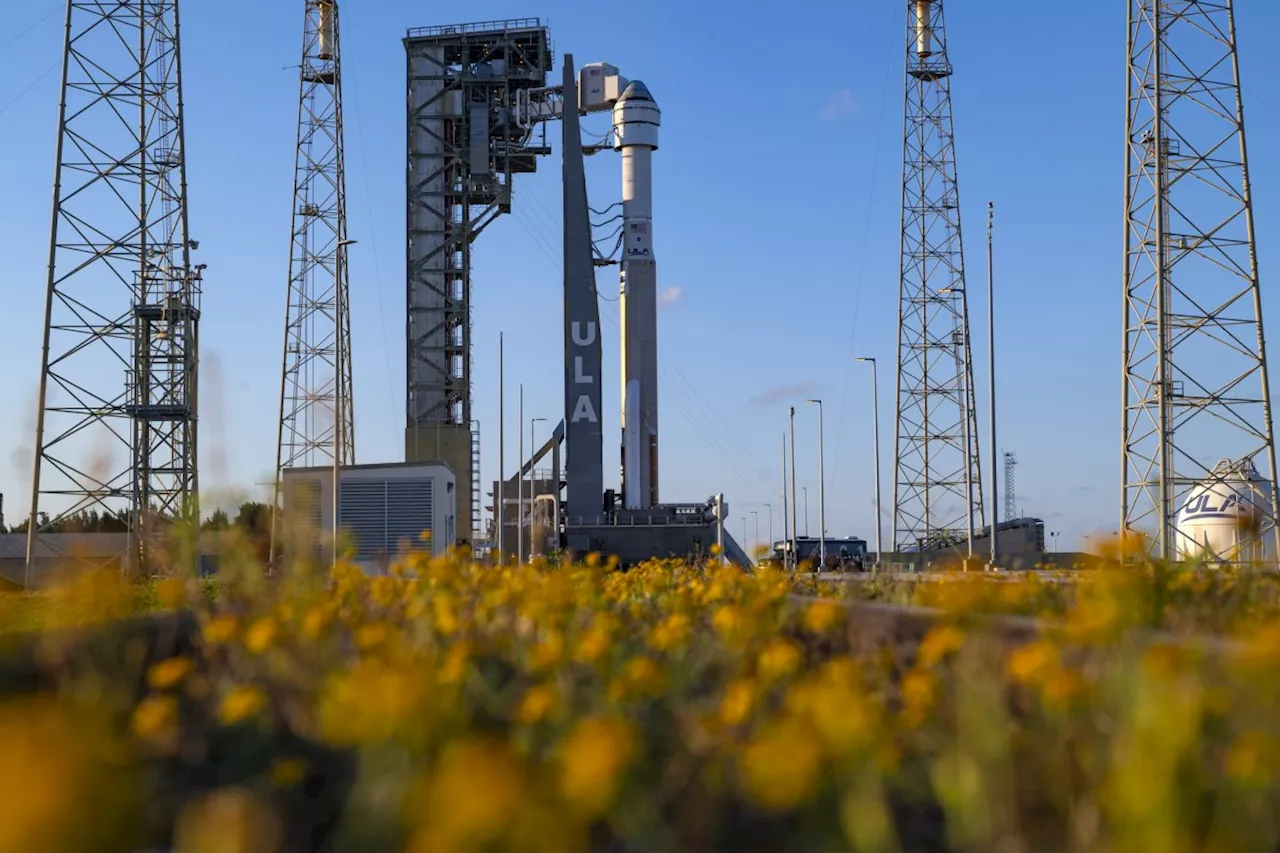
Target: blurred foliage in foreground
458,707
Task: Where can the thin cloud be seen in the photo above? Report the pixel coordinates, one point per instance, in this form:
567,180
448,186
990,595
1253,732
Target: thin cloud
841,105
669,297
782,393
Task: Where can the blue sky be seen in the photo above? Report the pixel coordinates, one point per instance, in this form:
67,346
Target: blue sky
776,231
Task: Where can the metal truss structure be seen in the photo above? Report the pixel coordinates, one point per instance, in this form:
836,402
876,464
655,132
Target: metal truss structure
317,423
1195,386
464,147
937,471
1010,487
116,428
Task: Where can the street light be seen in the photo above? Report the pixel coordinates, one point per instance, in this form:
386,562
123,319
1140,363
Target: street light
795,532
756,542
532,451
805,489
822,490
991,357
963,366
770,506
875,426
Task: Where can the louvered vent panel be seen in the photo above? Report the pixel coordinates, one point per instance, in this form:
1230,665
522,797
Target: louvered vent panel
304,503
364,516
409,513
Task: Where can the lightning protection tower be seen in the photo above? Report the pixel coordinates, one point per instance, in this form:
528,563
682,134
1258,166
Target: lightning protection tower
937,471
316,420
1010,487
116,423
1195,368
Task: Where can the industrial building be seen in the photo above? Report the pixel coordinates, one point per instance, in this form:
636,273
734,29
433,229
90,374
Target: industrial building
383,511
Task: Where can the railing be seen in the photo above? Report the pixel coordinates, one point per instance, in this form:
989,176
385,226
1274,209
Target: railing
476,27
632,520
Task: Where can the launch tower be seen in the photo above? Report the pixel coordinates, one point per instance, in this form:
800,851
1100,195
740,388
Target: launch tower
464,148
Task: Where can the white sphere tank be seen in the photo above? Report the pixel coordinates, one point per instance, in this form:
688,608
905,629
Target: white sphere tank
1225,518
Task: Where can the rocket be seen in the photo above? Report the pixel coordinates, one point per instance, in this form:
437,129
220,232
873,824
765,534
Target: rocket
636,119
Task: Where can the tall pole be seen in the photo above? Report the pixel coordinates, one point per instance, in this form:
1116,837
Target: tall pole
786,518
533,450
769,506
520,484
991,378
795,543
500,498
875,429
805,489
822,488
756,542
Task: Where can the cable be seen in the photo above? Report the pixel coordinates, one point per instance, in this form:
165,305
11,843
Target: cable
866,236
373,232
27,90
14,40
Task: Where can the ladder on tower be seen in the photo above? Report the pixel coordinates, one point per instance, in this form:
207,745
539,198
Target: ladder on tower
477,529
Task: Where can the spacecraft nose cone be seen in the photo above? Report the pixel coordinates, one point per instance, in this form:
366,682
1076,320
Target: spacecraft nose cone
636,90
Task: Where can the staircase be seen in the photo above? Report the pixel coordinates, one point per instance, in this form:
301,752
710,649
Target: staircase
477,528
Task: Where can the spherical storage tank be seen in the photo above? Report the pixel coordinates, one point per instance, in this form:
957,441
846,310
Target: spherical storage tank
1224,518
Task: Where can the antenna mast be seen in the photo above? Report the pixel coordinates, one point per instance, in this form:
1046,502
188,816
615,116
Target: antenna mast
937,473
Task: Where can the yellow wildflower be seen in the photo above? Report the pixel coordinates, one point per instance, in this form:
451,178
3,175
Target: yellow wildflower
671,633
917,697
240,704
470,799
591,758
219,631
287,772
938,643
369,636
781,766
230,820
739,698
168,673
156,720
821,616
171,593
778,660
260,635
535,704
1030,663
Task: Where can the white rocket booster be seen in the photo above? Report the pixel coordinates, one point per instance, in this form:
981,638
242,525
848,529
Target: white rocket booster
636,119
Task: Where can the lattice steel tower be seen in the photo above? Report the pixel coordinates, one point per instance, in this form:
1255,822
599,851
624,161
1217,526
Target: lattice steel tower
316,419
116,429
937,471
1010,487
1195,369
